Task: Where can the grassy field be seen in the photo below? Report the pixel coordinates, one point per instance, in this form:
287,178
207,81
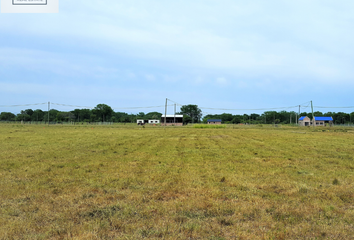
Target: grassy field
128,182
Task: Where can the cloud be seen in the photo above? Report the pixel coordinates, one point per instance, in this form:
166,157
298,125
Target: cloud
221,81
150,77
252,39
160,46
199,80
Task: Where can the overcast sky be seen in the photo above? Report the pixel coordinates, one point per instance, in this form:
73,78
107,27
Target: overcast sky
217,54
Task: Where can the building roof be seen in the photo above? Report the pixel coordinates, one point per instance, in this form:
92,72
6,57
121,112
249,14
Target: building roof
318,118
214,120
323,118
171,116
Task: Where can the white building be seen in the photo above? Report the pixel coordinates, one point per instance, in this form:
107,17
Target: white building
140,121
154,121
172,120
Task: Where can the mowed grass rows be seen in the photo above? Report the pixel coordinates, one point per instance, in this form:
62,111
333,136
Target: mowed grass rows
120,182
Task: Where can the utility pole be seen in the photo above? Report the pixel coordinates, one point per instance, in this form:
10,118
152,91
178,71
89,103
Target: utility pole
290,118
313,117
297,119
48,111
174,120
165,114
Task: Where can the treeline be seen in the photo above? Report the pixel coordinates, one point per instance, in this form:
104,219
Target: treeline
101,113
192,114
282,117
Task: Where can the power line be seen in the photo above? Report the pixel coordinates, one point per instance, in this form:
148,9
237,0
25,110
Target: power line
140,107
244,109
174,102
23,105
304,106
308,103
59,104
335,107
112,107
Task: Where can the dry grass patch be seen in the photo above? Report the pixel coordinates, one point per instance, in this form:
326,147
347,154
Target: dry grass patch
127,182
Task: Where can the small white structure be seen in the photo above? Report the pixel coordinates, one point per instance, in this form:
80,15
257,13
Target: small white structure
154,121
140,121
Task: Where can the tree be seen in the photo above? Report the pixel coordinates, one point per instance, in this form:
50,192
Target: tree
187,119
237,119
37,115
76,113
153,115
85,114
81,114
23,116
225,117
318,114
92,117
270,116
65,116
341,118
7,116
103,112
52,115
192,111
29,112
141,115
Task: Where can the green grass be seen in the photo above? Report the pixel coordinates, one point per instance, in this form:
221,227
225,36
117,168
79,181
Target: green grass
128,182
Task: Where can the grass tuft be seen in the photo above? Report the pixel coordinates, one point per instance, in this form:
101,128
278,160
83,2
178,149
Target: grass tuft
335,181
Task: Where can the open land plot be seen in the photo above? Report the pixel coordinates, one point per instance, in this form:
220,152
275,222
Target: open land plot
117,182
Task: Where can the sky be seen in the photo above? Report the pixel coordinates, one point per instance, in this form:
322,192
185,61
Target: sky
217,54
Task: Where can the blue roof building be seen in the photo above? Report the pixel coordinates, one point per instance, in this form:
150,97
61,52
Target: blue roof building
319,121
214,121
304,121
323,119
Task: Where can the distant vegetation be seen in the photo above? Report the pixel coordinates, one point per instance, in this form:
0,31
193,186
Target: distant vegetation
101,113
282,117
192,114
